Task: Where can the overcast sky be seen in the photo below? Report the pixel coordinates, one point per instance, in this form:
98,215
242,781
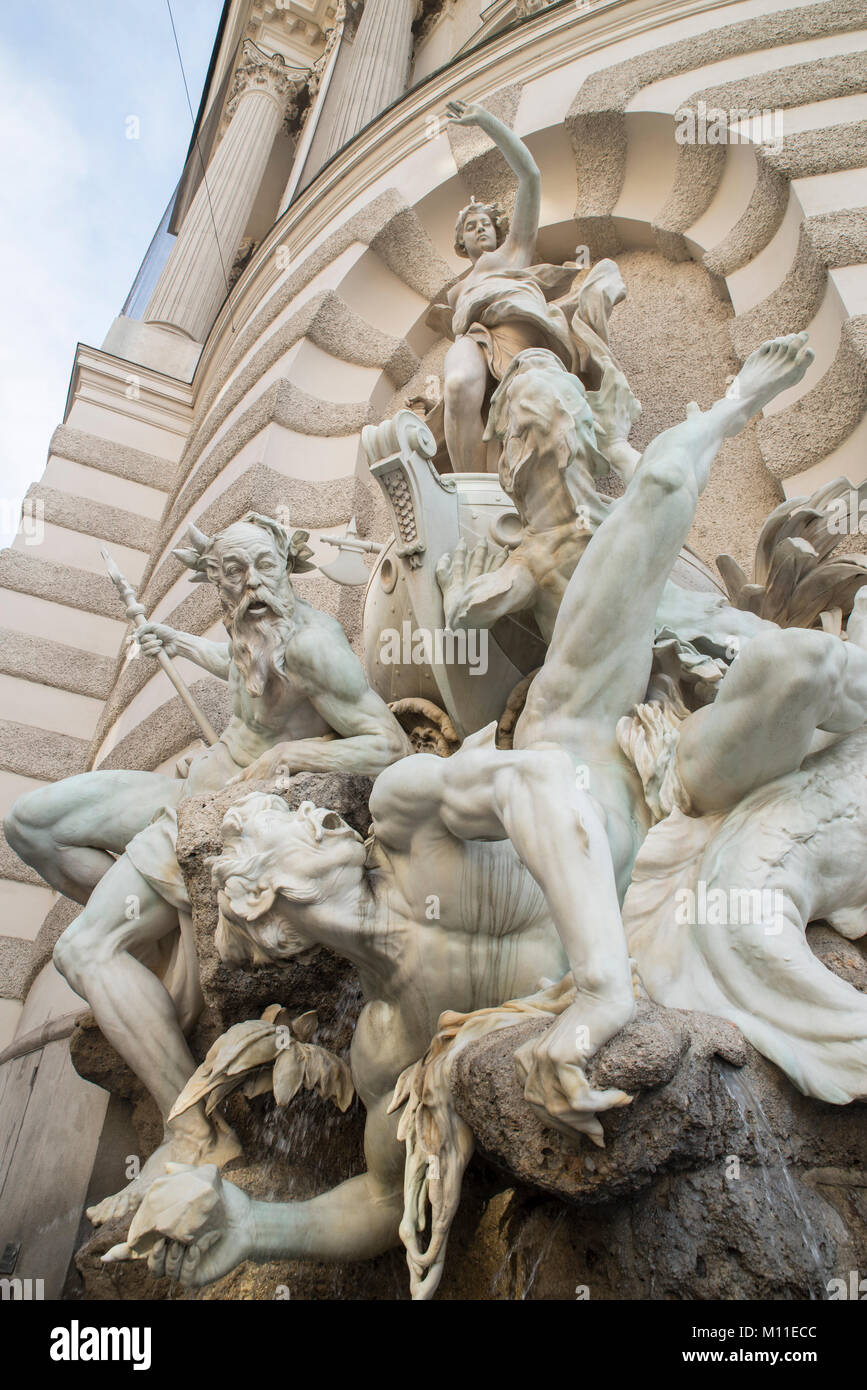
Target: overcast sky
80,200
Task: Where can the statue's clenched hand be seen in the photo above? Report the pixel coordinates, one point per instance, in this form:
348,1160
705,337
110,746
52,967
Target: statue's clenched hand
273,763
154,638
457,571
192,1226
551,1068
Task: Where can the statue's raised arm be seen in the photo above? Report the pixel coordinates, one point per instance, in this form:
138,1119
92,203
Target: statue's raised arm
520,243
508,303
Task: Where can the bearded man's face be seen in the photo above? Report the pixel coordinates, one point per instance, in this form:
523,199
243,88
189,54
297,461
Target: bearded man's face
257,602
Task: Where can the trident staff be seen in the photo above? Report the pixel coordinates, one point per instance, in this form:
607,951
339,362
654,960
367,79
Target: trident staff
136,614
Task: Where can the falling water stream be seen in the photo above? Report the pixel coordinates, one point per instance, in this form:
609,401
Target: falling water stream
506,1265
298,1137
543,1250
299,1140
515,1247
755,1120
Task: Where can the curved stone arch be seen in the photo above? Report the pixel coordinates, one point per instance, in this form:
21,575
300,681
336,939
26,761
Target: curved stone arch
125,720
328,323
776,263
805,248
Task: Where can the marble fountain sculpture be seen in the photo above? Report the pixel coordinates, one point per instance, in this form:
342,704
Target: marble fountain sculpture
526,892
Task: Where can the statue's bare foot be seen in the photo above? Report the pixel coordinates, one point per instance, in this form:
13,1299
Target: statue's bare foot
219,1147
856,627
772,368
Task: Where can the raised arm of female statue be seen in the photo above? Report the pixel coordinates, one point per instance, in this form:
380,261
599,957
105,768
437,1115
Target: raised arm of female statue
525,220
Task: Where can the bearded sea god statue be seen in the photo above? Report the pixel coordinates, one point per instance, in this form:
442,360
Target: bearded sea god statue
107,839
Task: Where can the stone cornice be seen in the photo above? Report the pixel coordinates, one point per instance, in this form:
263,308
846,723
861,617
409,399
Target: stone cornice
525,8
267,17
129,389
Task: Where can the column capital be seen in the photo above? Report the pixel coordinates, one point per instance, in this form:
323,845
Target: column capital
258,72
525,8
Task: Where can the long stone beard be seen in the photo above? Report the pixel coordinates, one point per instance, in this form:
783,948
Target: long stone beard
259,647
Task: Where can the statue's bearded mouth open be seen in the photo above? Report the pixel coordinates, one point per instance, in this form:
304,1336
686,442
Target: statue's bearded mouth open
260,626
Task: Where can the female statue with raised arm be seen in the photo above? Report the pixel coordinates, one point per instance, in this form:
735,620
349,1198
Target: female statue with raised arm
506,304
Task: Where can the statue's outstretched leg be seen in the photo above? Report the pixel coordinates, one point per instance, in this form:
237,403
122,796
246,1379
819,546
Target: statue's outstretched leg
597,670
96,954
71,831
466,377
599,659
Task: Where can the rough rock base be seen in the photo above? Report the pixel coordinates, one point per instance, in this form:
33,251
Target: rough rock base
718,1181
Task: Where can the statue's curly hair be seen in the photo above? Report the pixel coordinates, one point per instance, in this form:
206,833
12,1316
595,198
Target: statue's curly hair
498,216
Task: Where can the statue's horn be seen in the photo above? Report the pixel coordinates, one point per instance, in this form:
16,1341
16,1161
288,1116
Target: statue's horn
197,538
187,557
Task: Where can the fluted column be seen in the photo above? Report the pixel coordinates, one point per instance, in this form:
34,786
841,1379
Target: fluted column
380,67
193,282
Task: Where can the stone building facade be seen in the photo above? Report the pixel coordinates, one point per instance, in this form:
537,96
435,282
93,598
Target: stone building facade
283,307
